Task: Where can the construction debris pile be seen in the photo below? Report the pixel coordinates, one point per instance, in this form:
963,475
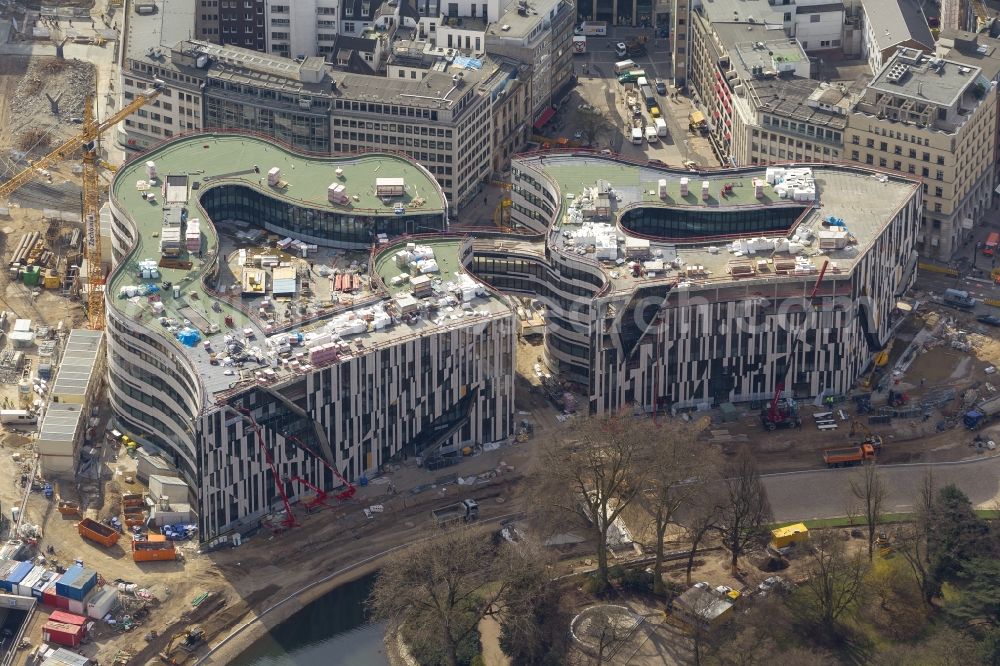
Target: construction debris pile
51,92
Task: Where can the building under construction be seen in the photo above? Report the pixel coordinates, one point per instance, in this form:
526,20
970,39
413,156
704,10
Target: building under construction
266,379
673,289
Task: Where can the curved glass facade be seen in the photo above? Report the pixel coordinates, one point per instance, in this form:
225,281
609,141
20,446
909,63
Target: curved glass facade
681,223
227,202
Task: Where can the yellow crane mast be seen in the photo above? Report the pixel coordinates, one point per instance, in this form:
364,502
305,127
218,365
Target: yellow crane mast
86,142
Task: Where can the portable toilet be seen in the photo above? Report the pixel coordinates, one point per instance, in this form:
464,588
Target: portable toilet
273,176
151,170
684,186
662,187
704,190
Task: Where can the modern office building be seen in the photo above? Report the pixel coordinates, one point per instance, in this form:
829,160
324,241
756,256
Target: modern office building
672,289
937,120
243,393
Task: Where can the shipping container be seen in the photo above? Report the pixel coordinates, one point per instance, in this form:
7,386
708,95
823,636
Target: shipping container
67,618
98,532
77,606
29,581
49,594
102,603
62,634
78,588
15,576
68,577
43,582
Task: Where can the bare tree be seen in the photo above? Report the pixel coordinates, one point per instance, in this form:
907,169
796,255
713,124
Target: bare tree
441,588
834,582
679,468
601,471
592,124
703,519
746,510
870,490
912,540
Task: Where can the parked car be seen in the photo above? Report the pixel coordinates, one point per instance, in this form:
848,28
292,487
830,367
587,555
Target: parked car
661,88
992,320
773,584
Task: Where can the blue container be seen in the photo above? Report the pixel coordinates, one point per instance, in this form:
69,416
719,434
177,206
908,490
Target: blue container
16,575
78,588
63,583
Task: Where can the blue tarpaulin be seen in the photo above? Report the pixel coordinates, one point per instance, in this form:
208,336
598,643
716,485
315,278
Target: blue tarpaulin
188,337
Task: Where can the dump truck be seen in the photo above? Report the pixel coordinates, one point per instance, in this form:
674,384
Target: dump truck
845,457
697,122
98,532
154,548
982,412
465,511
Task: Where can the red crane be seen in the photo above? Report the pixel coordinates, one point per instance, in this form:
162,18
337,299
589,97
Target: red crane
318,500
289,519
345,494
774,417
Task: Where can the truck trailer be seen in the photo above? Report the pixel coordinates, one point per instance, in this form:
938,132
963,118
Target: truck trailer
981,413
846,457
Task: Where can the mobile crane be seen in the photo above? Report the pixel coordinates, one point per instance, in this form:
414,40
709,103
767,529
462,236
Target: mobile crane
86,142
289,519
775,416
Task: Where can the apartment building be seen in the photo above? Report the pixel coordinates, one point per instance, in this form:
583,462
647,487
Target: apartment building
234,22
301,28
542,39
680,41
396,373
978,50
936,119
685,324
888,25
739,76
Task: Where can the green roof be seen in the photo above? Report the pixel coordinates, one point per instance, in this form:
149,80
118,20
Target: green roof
231,158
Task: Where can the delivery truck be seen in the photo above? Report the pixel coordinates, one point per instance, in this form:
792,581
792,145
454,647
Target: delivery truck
852,455
98,532
661,126
651,136
465,511
592,29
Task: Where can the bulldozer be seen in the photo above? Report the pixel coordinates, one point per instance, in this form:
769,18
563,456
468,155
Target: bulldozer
182,645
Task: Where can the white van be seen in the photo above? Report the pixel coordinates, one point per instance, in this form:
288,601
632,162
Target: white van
661,126
641,81
624,66
17,417
637,136
651,134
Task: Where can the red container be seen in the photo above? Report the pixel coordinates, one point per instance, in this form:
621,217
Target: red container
63,617
70,635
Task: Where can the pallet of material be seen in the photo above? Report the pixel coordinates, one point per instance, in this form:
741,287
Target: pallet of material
167,262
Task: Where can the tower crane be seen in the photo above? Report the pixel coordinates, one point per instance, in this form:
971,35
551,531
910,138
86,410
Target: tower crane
86,142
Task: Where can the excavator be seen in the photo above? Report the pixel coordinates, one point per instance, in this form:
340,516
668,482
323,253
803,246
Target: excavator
870,437
86,142
182,645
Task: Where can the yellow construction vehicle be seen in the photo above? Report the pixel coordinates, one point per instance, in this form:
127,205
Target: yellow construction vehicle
870,437
86,142
880,361
182,645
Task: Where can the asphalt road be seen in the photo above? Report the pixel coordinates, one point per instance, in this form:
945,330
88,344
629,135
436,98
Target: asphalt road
827,493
